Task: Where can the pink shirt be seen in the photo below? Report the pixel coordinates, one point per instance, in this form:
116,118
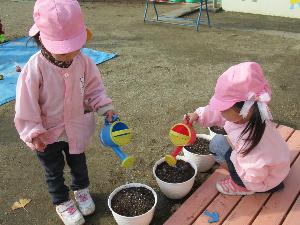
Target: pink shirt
266,166
51,101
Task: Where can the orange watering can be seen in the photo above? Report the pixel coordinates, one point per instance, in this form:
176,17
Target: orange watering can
181,134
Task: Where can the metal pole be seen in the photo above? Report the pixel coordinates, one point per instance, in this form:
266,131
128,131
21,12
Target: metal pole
199,15
146,10
154,5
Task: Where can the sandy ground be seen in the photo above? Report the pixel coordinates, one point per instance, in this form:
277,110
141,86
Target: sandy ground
161,72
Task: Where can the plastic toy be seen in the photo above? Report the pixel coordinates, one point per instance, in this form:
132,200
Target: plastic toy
2,38
114,135
181,134
213,216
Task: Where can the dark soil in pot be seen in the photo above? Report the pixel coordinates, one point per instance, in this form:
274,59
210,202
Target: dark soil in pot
132,201
181,172
200,146
218,130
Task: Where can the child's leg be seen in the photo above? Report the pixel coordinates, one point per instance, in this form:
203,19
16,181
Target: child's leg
53,162
219,146
233,174
80,181
79,171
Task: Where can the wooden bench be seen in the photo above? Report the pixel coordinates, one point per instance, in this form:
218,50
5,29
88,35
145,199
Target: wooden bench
282,207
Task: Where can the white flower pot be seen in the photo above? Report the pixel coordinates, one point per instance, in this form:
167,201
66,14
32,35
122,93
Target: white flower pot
175,190
211,133
203,162
143,219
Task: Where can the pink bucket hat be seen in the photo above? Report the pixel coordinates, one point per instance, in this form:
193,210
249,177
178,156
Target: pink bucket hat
61,25
242,82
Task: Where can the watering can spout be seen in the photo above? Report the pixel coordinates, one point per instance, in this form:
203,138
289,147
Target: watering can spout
114,135
127,161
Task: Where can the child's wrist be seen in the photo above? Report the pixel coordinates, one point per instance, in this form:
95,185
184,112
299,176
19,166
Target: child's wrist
104,109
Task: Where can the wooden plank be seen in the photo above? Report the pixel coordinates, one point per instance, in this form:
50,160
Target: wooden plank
278,205
247,209
222,205
294,145
294,215
183,10
197,202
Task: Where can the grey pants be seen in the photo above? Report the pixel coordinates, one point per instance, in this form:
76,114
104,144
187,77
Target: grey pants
219,146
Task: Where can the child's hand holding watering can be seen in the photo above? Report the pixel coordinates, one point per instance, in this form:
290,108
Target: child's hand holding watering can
109,115
190,118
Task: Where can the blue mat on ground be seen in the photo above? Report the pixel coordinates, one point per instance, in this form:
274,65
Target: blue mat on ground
18,52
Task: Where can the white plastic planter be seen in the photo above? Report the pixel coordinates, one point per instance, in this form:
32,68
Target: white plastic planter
143,219
203,162
211,133
175,190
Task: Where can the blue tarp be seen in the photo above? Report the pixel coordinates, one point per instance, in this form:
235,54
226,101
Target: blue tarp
16,52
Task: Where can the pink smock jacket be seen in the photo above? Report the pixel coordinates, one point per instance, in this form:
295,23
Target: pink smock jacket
266,166
52,101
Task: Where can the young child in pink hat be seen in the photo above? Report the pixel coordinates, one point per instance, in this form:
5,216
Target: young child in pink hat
58,91
257,157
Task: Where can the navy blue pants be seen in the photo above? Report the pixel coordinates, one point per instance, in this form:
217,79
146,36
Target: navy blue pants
221,150
53,161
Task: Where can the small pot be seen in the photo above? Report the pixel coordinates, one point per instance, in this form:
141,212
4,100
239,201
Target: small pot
175,190
203,162
144,219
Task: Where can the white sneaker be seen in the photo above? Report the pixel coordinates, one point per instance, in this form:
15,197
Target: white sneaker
69,213
85,202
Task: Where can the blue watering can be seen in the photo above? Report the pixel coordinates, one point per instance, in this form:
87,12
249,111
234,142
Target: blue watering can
115,134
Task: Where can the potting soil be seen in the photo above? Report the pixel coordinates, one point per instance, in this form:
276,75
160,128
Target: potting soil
218,130
181,172
201,147
133,201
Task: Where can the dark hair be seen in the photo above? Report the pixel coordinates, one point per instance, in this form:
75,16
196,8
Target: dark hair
255,128
36,39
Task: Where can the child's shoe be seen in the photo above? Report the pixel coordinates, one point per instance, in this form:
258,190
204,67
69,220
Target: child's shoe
228,187
69,213
85,202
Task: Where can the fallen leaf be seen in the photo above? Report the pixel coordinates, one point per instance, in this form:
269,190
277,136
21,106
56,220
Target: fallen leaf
21,203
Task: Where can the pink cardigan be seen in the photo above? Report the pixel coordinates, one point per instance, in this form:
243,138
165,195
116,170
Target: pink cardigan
51,100
266,166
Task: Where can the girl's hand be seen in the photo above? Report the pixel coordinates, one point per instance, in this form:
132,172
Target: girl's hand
109,115
190,118
38,144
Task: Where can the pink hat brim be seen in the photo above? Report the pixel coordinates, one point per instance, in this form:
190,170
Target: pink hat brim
65,46
33,30
220,106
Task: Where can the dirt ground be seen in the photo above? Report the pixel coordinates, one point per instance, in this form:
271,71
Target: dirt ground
162,72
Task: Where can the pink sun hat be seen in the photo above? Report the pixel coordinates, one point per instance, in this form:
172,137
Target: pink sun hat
61,25
237,83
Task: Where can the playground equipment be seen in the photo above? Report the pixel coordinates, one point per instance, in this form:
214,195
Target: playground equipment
191,22
181,134
115,134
